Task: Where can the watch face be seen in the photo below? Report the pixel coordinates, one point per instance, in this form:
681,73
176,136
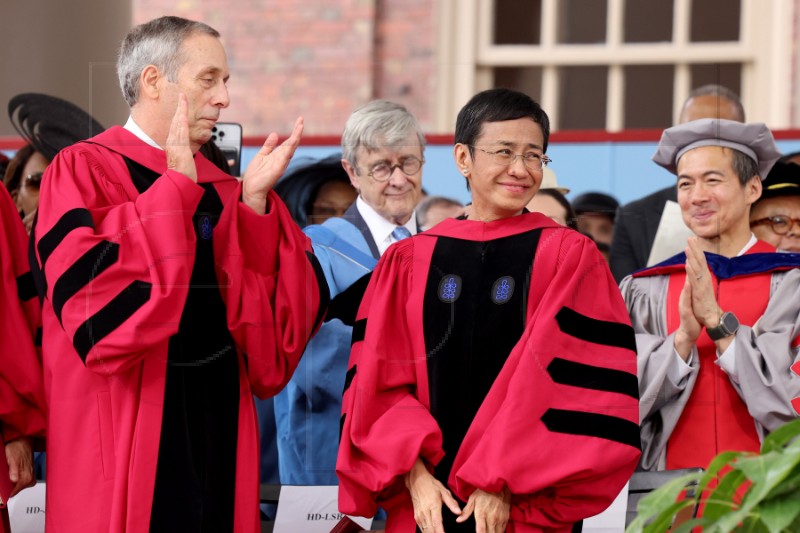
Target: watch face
730,322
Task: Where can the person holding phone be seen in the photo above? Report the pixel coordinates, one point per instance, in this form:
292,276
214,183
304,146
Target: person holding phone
172,293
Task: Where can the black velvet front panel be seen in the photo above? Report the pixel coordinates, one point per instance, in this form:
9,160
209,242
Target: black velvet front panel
474,314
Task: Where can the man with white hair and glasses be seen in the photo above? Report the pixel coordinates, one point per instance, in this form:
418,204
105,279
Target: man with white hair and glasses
382,152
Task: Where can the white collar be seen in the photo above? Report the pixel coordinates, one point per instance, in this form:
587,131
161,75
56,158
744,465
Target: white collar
749,245
134,128
380,228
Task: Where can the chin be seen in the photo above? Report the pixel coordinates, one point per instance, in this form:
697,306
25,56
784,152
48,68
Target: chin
202,136
513,207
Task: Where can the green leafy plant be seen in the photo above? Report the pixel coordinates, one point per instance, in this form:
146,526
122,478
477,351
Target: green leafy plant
771,503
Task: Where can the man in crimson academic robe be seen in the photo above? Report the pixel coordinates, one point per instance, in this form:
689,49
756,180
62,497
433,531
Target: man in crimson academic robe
172,293
21,391
492,381
716,326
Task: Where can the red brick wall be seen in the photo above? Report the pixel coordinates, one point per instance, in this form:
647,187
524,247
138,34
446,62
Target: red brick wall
315,58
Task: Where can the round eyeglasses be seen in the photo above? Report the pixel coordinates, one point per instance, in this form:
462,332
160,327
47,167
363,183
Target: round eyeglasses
382,171
781,224
507,158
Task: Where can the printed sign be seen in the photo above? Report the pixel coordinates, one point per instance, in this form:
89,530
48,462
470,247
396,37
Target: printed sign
26,510
310,509
612,520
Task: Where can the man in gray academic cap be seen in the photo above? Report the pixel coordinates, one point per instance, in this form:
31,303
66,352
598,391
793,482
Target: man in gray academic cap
710,379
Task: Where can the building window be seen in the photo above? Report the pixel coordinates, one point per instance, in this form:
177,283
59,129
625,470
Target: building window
616,64
523,29
583,97
648,96
648,22
581,21
714,21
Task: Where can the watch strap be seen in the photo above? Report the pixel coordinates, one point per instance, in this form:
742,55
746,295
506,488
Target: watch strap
722,330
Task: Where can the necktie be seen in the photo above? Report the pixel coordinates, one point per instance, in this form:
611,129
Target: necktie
400,233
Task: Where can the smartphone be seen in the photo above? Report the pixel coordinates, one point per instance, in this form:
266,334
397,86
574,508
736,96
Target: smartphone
228,138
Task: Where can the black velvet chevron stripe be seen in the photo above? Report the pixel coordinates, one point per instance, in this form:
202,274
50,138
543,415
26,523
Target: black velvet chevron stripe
82,272
26,288
71,220
110,317
341,427
348,378
322,285
597,331
37,339
359,331
37,274
592,377
593,425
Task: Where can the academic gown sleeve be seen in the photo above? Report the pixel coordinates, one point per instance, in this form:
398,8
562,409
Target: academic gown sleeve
116,270
273,287
22,402
665,381
766,373
385,426
559,426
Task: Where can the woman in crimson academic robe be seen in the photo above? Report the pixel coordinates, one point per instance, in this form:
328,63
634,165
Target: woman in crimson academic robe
21,390
492,382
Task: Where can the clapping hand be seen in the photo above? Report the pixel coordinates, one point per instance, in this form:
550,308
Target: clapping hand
267,166
178,149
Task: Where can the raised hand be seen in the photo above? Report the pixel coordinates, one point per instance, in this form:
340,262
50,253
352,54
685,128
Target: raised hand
689,328
267,166
179,152
704,301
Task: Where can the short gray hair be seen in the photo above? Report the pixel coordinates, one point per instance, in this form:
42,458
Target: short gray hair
158,43
378,124
722,93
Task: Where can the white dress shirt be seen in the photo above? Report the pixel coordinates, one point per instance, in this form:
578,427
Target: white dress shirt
380,228
134,128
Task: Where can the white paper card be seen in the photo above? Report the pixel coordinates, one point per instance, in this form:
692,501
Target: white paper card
310,510
26,510
612,520
671,235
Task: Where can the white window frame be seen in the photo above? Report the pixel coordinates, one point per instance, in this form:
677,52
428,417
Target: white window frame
766,51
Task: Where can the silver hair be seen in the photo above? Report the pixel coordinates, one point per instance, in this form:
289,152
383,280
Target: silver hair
158,43
378,124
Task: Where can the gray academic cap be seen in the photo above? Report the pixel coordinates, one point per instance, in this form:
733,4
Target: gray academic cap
754,140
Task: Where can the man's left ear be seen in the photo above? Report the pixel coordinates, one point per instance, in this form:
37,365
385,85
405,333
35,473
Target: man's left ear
149,80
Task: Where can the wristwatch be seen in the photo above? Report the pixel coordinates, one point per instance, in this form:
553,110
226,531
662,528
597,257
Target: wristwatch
728,324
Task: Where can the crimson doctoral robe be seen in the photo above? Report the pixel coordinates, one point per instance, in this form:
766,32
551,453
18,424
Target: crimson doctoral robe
500,353
21,391
168,303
